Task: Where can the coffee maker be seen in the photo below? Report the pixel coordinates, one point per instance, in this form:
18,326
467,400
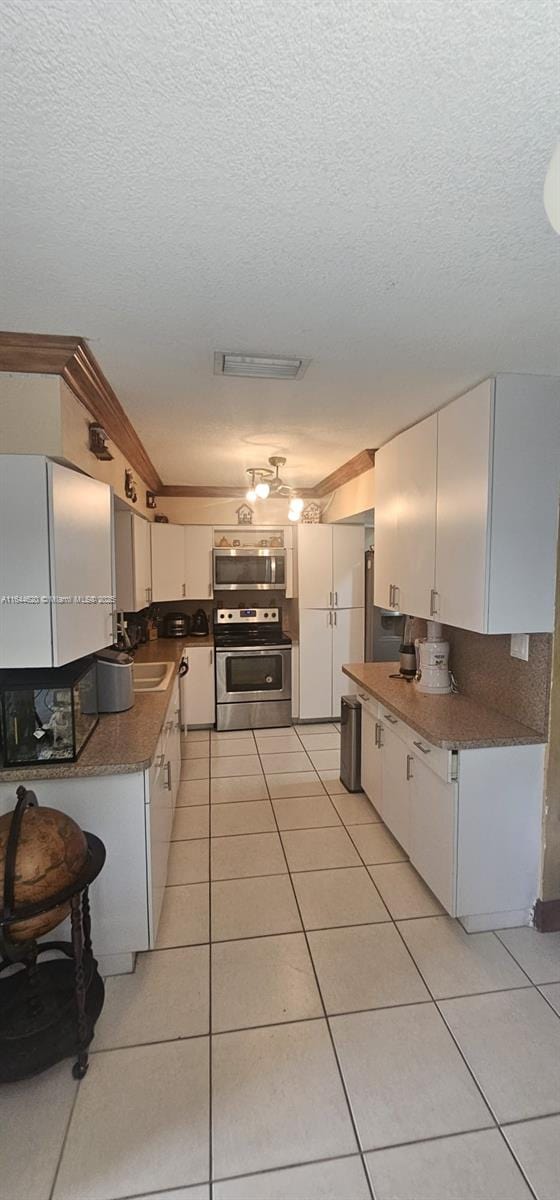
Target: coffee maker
432,662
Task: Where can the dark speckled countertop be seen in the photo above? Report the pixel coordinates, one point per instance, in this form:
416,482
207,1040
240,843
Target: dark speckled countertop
121,743
454,722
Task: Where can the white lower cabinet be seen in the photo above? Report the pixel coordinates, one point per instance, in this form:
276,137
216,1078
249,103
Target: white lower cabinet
470,820
198,689
371,754
433,832
395,778
327,639
133,816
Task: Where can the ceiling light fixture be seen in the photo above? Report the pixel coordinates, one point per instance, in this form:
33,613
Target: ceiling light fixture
266,481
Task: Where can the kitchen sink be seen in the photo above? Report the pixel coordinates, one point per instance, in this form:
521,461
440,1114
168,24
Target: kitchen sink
152,677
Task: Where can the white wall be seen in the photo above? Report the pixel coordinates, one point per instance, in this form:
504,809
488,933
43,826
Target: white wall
202,510
356,496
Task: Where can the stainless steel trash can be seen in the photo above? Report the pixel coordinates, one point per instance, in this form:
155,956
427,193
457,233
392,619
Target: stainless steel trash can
350,742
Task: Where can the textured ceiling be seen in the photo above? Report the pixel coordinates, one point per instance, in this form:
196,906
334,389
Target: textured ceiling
355,181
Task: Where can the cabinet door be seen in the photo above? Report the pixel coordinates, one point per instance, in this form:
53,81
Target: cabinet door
81,553
348,646
348,554
315,582
433,832
198,687
415,570
315,663
168,562
396,786
387,484
159,821
369,754
142,562
463,498
25,629
198,561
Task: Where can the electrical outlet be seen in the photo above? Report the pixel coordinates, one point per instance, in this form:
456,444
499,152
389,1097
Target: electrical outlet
520,646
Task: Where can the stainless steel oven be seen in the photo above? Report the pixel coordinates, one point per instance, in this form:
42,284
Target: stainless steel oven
261,568
253,669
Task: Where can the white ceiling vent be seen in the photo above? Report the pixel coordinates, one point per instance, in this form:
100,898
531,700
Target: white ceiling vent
259,366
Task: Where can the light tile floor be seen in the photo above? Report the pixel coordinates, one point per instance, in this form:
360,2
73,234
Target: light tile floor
312,1025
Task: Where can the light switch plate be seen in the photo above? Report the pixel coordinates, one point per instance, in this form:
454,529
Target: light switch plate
520,646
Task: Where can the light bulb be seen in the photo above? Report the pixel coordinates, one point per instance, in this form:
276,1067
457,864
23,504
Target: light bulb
262,490
293,514
251,495
297,504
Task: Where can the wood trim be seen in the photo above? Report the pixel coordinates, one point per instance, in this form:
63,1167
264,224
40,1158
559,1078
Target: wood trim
547,916
193,490
72,359
349,470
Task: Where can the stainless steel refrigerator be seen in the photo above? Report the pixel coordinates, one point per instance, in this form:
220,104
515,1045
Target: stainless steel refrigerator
383,629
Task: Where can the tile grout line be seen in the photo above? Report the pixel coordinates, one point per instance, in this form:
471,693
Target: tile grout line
64,1140
325,1017
442,1017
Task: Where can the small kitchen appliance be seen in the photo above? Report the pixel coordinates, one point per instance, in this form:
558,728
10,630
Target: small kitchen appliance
199,624
253,669
176,625
432,662
115,683
407,654
47,715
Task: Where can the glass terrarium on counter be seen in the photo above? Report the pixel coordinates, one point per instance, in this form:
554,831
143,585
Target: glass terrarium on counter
47,714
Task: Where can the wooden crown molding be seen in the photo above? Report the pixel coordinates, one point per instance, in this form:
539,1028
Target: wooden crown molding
355,466
72,359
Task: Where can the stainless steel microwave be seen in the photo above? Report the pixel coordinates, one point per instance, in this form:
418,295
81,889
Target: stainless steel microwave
241,569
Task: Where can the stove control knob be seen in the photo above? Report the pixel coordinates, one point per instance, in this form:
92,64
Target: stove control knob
266,616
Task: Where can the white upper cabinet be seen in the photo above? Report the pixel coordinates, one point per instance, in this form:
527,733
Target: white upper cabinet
133,561
56,545
387,495
315,583
405,520
463,508
198,561
168,561
497,506
416,537
467,510
330,566
348,565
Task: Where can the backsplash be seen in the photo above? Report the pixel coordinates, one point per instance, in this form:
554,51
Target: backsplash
234,600
484,670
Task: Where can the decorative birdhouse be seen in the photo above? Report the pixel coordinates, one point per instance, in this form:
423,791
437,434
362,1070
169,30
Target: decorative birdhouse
311,514
244,514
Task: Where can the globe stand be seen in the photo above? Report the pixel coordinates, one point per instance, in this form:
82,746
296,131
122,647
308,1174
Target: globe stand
48,1009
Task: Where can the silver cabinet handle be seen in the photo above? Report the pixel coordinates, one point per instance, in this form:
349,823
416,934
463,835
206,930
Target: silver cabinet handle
378,735
211,657
330,600
334,615
396,596
168,775
390,595
392,720
209,589
147,591
419,746
184,589
434,602
409,762
336,599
